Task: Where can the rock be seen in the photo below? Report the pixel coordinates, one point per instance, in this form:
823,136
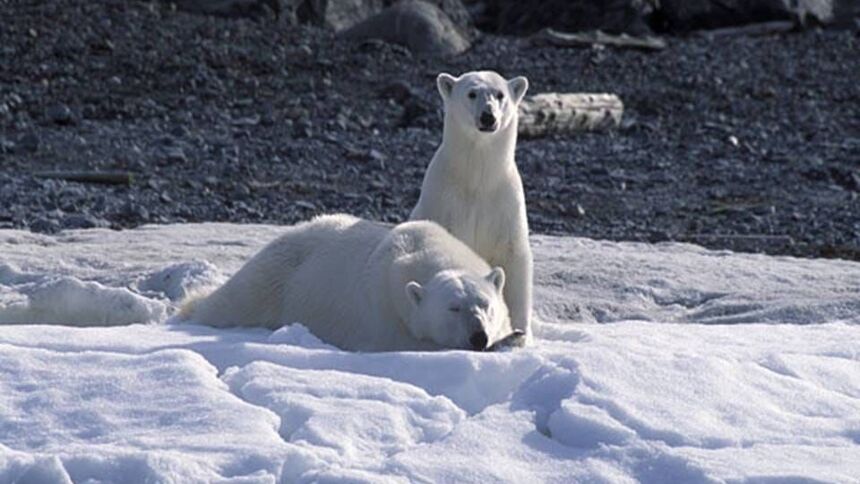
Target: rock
400,91
175,154
6,146
337,15
60,114
846,178
306,205
341,15
231,8
415,24
413,110
84,221
10,103
134,211
688,15
45,225
378,157
30,142
615,16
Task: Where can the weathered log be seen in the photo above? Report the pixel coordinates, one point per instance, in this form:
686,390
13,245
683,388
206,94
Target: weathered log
751,30
549,113
587,39
105,178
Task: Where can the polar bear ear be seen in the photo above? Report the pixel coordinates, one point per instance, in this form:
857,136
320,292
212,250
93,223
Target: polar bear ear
414,292
518,86
497,278
445,82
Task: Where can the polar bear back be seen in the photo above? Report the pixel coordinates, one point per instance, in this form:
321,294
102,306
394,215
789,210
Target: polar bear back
282,283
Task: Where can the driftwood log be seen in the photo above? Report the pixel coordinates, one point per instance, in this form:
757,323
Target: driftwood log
597,37
106,178
751,30
550,113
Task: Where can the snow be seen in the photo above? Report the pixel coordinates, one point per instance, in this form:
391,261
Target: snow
709,367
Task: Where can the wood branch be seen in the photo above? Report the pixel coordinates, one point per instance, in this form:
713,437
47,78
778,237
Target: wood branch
784,239
751,30
566,113
587,39
105,178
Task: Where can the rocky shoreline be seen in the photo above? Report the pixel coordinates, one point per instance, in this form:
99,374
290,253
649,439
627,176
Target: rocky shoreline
743,143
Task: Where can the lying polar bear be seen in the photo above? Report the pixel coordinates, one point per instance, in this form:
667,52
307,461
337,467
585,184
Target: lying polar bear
366,286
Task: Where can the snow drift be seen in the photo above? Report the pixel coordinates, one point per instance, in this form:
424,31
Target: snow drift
715,367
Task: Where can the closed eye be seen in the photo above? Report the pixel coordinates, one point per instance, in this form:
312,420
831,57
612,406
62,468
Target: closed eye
454,309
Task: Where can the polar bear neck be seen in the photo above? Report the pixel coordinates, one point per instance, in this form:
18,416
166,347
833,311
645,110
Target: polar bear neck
475,159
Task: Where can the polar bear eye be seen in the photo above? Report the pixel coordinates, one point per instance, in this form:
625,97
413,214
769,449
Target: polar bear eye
500,95
454,309
472,95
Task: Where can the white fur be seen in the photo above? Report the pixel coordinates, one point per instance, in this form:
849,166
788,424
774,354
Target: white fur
472,186
365,286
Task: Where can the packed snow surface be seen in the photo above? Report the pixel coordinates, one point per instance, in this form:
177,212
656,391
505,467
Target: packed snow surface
709,367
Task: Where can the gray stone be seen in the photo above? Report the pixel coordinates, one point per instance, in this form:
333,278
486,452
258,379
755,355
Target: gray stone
687,15
615,16
30,142
45,225
84,221
340,15
418,25
231,8
337,15
175,154
60,114
6,146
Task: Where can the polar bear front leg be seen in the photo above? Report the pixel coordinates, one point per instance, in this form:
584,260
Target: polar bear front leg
518,290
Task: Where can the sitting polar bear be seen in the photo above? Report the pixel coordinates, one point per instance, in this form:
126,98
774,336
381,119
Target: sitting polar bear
366,286
472,187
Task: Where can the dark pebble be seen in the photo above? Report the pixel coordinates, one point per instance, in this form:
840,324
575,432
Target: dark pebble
60,114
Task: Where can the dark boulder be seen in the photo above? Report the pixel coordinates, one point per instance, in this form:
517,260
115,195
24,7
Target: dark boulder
688,15
337,15
415,24
519,18
342,14
232,8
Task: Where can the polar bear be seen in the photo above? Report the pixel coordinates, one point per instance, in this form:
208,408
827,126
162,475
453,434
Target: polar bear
472,186
366,286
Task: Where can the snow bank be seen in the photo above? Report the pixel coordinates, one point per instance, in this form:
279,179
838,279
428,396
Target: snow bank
44,298
773,396
115,417
599,281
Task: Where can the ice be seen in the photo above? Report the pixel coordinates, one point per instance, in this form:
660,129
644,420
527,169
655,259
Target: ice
343,417
683,283
176,282
30,298
709,367
106,415
586,426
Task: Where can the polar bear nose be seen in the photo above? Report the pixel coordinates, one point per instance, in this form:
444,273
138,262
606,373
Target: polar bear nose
478,340
487,119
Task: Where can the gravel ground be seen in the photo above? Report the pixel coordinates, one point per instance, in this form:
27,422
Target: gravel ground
749,144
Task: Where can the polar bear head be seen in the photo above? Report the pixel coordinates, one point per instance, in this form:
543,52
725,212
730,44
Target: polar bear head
481,100
456,309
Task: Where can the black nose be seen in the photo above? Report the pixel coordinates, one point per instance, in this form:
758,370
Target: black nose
487,119
478,340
